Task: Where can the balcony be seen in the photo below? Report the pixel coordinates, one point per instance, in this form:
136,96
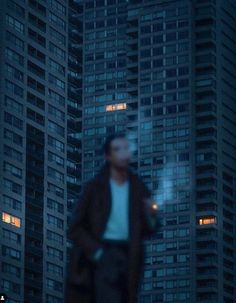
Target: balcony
35,202
33,149
207,208
34,185
34,234
36,267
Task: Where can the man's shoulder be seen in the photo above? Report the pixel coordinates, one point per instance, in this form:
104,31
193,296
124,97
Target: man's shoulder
138,181
136,178
141,185
91,183
95,181
100,177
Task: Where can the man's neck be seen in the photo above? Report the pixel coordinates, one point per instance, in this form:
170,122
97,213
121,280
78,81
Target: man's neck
119,175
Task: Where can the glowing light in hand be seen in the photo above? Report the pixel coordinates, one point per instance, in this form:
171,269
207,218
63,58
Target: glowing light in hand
154,206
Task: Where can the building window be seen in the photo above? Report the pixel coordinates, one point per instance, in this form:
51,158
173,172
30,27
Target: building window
57,82
56,36
58,7
55,20
11,252
36,85
54,269
11,202
55,190
7,218
207,220
118,106
18,43
58,145
14,23
13,120
56,67
55,237
56,98
52,220
53,299
54,285
55,253
58,52
11,236
12,169
14,73
55,206
12,186
36,37
58,114
32,115
56,128
13,104
10,287
11,269
14,88
55,158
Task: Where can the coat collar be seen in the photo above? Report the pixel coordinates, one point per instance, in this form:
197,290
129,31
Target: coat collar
103,175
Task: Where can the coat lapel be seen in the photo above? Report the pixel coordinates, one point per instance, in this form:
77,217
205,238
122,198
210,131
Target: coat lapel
104,187
132,198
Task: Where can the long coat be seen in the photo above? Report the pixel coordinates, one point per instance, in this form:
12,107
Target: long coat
87,226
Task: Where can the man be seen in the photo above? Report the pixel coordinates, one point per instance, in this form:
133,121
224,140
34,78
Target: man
109,224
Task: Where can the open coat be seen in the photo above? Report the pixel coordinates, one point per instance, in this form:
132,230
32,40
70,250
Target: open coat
87,226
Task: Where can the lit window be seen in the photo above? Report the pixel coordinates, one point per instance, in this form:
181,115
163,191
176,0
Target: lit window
118,106
7,218
207,220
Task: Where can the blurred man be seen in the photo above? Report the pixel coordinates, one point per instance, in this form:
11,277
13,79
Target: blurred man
111,220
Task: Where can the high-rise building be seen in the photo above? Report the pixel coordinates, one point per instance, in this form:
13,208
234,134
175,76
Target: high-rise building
162,71
38,123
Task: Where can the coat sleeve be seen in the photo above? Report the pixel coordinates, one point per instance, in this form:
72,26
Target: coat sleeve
78,230
150,220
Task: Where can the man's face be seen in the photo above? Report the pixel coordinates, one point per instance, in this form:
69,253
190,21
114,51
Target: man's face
119,154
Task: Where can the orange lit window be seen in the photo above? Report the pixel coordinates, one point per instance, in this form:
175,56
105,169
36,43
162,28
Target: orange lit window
207,220
7,218
118,106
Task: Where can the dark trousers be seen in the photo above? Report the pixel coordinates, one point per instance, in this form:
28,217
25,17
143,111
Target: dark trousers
111,273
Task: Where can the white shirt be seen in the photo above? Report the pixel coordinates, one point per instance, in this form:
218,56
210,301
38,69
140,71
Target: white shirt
118,221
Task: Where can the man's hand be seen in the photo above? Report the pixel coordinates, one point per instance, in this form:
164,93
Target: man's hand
151,210
151,206
98,254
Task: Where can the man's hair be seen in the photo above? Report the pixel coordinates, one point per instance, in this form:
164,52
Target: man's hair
109,139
